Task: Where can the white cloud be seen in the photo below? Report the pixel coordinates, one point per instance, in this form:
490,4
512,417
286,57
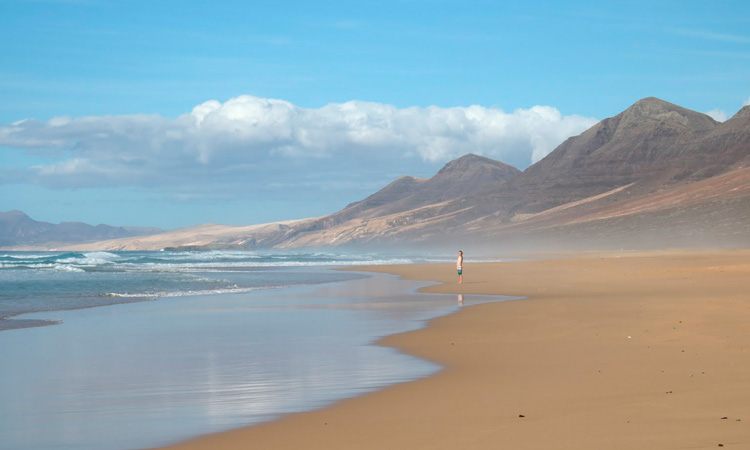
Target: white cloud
247,141
718,115
747,102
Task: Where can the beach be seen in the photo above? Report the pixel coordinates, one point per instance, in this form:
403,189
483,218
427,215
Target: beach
621,350
146,349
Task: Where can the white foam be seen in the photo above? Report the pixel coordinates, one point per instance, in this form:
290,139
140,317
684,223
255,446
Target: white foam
67,268
27,256
200,262
92,259
189,267
101,255
191,293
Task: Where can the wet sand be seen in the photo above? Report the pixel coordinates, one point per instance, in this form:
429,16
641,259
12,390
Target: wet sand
615,351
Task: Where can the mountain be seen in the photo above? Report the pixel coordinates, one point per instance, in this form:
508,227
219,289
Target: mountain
648,140
18,229
656,174
653,147
711,212
203,237
466,175
653,144
358,222
727,144
419,199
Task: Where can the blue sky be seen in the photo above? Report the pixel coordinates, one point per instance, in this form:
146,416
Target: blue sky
179,113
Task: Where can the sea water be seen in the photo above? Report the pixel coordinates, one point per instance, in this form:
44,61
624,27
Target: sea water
149,348
53,281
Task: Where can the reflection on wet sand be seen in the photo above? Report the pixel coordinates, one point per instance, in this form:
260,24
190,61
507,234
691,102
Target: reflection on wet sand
184,366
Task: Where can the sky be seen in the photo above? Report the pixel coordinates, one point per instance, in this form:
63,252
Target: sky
174,114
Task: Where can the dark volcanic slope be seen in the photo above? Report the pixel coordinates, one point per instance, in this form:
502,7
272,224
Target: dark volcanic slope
650,140
466,175
728,144
463,176
652,144
710,212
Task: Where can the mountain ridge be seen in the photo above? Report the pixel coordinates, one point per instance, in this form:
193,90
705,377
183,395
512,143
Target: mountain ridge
654,153
651,146
17,228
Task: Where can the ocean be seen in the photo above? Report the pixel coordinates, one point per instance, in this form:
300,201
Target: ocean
116,350
54,281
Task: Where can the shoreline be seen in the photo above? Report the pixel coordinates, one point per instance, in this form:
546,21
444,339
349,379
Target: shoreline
187,366
609,350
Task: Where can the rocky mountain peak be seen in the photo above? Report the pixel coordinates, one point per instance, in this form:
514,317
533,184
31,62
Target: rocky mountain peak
17,228
654,112
743,113
470,166
12,214
12,219
466,175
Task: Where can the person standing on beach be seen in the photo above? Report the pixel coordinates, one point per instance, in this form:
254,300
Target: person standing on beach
459,267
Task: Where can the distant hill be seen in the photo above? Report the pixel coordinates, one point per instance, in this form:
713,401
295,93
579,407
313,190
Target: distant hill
655,175
467,175
18,229
203,237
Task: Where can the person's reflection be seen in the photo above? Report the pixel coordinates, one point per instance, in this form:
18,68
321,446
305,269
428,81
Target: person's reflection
460,299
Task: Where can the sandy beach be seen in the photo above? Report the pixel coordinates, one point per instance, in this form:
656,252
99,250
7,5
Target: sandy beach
607,351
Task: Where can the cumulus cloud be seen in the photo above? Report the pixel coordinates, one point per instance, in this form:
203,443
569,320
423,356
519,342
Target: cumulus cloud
718,115
249,141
